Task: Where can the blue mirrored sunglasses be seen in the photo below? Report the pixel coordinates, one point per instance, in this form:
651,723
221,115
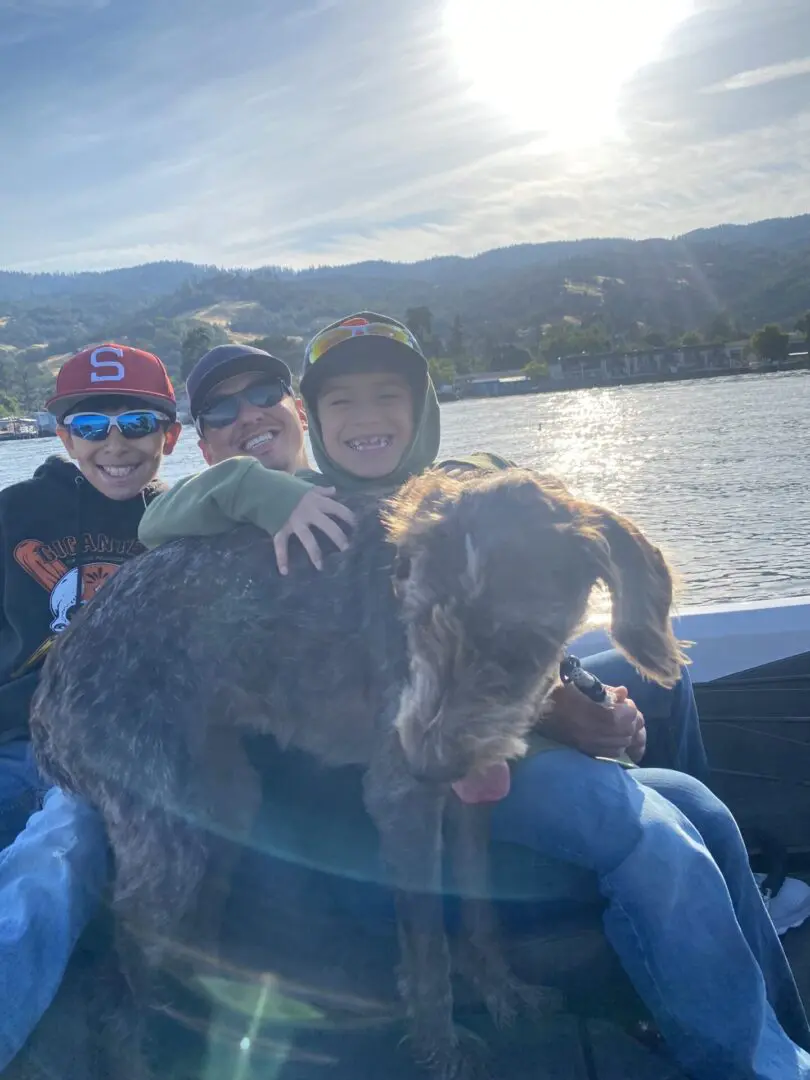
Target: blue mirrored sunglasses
221,412
95,427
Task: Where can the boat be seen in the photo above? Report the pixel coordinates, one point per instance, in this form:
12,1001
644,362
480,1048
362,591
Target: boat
18,427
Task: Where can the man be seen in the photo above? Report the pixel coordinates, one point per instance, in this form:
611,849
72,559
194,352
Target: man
243,407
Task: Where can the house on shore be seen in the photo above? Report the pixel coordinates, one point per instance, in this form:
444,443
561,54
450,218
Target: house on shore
650,365
493,384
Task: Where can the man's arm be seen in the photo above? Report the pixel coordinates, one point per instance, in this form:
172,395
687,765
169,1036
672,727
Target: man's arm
237,491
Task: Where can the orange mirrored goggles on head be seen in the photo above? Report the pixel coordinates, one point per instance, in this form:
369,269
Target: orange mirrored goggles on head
327,339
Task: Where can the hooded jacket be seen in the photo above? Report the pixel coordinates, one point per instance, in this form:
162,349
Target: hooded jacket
60,539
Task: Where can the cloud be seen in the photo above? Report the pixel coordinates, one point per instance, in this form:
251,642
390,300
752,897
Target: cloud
761,76
278,131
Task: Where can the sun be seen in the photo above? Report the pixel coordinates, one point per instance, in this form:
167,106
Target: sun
557,66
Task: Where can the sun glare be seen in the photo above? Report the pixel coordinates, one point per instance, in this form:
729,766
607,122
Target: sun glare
557,66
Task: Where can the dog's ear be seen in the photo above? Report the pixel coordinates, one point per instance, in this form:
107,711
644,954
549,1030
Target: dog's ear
640,586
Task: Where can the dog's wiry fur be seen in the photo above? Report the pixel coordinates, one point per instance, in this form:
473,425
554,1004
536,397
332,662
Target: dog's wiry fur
423,652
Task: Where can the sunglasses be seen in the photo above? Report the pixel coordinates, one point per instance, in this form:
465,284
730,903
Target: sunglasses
223,411
95,427
327,339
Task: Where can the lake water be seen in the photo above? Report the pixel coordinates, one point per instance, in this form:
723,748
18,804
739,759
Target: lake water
716,471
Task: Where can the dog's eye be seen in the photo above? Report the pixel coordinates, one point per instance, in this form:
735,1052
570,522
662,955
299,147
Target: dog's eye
402,567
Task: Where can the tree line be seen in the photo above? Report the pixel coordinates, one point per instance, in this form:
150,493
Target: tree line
26,380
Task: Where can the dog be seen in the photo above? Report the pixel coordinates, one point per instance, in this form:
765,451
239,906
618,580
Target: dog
425,653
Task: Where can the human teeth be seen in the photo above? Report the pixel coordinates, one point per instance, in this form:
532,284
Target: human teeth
371,442
258,440
118,470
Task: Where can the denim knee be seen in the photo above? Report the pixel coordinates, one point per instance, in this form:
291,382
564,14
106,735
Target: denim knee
571,807
709,815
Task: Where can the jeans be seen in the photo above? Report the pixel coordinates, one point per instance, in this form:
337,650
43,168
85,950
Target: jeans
51,879
664,859
674,740
682,911
21,788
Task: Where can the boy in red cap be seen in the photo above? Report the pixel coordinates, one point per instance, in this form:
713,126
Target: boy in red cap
62,534
65,531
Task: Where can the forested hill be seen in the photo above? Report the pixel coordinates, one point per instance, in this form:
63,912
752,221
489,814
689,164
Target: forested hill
588,294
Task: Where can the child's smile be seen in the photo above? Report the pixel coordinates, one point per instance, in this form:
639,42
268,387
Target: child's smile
366,421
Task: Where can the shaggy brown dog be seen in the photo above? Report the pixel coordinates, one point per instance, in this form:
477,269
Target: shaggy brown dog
424,653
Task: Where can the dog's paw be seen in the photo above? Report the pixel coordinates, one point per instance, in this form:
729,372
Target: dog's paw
510,998
538,1001
464,1057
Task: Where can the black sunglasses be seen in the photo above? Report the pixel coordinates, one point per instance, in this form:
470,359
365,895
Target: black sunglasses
221,412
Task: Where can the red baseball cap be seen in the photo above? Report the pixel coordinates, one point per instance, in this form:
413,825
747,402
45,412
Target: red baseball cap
115,371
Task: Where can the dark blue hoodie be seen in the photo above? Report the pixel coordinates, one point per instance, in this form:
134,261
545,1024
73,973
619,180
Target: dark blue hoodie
60,539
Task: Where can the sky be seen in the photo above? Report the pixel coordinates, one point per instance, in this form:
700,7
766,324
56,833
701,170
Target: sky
310,132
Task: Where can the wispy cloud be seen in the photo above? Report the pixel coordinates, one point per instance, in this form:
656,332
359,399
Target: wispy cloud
284,131
760,76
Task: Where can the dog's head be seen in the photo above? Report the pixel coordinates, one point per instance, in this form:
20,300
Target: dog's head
494,573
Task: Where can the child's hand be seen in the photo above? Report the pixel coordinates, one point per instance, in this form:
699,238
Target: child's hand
315,511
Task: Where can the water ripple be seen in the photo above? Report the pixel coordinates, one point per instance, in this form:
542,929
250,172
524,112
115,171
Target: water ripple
717,471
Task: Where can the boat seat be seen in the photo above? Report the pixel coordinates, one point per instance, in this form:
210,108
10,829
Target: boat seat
756,728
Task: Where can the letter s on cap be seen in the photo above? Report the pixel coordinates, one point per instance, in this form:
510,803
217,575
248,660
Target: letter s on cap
114,368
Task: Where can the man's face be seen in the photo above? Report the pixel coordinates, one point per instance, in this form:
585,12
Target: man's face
366,421
120,468
274,435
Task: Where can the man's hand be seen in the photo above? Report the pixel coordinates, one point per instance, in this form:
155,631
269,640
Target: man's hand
316,510
596,730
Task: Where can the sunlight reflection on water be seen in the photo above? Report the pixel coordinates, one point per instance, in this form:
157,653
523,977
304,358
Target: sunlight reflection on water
717,471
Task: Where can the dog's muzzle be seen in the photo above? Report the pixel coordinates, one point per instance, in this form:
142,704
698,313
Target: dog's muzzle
432,771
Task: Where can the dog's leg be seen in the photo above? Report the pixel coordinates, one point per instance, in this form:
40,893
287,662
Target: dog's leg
232,794
408,815
479,957
159,863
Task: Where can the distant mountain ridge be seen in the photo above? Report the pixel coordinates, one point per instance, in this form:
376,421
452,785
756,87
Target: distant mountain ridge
743,275
160,277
